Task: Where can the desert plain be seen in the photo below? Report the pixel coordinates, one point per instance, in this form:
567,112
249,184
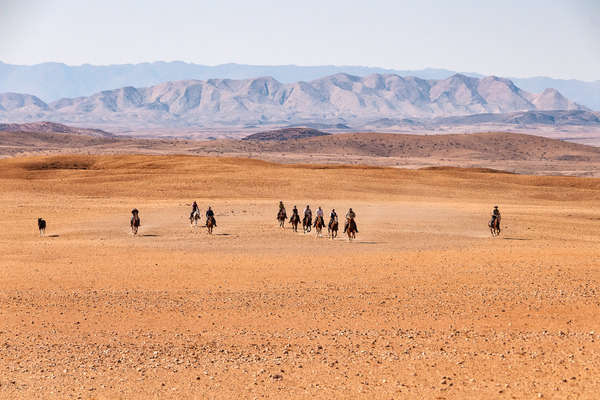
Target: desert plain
423,304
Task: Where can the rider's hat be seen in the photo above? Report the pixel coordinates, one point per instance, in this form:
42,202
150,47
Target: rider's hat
495,206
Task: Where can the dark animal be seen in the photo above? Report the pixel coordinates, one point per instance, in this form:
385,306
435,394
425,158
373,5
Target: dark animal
295,220
42,226
281,217
210,224
135,221
306,223
494,225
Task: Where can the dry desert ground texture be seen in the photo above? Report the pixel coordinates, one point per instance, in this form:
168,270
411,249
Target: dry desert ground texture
424,304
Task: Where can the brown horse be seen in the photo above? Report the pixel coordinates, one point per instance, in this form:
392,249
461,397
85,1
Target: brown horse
281,217
350,229
306,223
494,225
210,224
332,228
319,224
295,220
135,221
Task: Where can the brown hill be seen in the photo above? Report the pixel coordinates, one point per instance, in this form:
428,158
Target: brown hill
286,134
480,146
49,136
52,127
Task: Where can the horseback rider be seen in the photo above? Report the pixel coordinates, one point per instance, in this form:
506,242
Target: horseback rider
295,214
281,210
319,216
211,214
350,217
195,209
308,213
333,216
281,214
496,215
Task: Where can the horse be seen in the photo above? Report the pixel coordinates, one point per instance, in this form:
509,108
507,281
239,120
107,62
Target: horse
332,228
350,228
306,223
210,224
281,217
194,218
42,226
319,224
135,221
494,225
295,220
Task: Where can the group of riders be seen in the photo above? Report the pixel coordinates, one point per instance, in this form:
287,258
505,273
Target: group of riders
211,222
350,226
210,214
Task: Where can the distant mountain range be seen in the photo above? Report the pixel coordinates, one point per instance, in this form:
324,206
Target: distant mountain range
53,81
336,99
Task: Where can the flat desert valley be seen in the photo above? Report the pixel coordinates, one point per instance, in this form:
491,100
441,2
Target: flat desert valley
423,304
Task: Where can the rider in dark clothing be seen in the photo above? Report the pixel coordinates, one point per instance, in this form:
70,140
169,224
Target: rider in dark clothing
195,209
496,215
210,214
295,214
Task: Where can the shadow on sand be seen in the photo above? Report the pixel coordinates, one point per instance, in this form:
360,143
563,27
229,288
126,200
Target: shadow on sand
150,235
511,238
53,236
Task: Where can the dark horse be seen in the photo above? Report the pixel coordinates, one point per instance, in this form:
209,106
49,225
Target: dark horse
281,217
306,223
332,228
42,226
295,220
494,225
319,224
350,228
135,221
210,224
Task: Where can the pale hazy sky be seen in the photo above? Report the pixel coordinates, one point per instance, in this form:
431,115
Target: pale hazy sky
558,38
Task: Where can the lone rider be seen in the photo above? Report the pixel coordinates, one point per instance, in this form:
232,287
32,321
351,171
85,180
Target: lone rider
496,215
195,209
350,217
319,216
211,214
